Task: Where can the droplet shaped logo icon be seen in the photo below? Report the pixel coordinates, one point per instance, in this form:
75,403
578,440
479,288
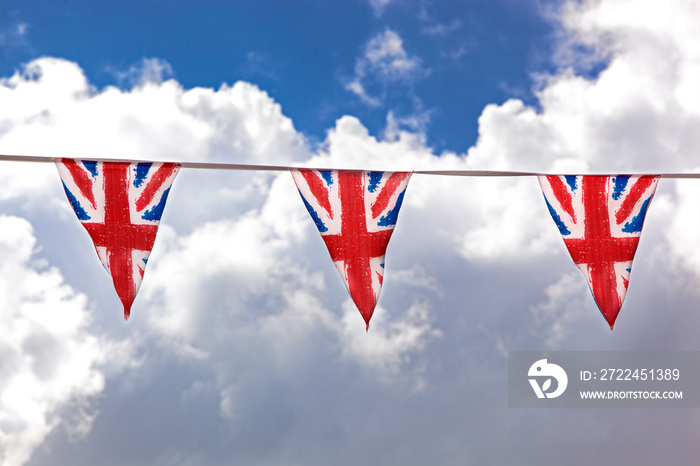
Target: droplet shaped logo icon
543,372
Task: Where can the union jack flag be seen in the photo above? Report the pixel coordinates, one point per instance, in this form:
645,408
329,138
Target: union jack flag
120,205
600,219
355,212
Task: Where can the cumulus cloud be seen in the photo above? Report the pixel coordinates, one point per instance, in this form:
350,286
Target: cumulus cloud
51,363
156,120
635,116
237,265
387,348
49,108
265,288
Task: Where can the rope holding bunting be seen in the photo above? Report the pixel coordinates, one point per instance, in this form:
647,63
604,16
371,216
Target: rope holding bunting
282,168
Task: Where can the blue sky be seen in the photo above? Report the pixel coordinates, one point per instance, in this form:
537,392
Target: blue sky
243,346
469,53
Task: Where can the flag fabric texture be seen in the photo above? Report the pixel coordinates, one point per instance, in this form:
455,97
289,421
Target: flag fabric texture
120,205
601,219
355,212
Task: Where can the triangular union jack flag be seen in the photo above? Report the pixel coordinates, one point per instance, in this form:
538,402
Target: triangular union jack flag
120,205
601,219
355,212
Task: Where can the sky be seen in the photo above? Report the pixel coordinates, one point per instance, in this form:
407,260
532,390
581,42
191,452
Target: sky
243,346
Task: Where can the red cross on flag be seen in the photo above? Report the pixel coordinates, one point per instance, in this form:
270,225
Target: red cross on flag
355,212
601,219
120,205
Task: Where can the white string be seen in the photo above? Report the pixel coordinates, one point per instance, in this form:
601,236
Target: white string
251,167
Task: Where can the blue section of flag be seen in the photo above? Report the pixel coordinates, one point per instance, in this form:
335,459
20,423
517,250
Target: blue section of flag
572,181
557,219
327,176
79,211
389,220
141,174
635,225
314,215
619,185
91,167
156,212
374,179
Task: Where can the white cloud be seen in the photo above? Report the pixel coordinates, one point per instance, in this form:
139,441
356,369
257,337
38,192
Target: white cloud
355,86
256,279
630,118
156,120
379,6
49,108
561,311
384,60
442,29
385,54
236,265
148,70
390,343
14,36
634,117
50,360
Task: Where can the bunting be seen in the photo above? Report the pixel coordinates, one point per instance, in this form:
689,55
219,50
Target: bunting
120,205
601,219
355,212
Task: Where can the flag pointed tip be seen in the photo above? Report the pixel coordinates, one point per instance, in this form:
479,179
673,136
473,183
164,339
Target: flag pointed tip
120,204
609,314
355,212
127,311
366,318
600,219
